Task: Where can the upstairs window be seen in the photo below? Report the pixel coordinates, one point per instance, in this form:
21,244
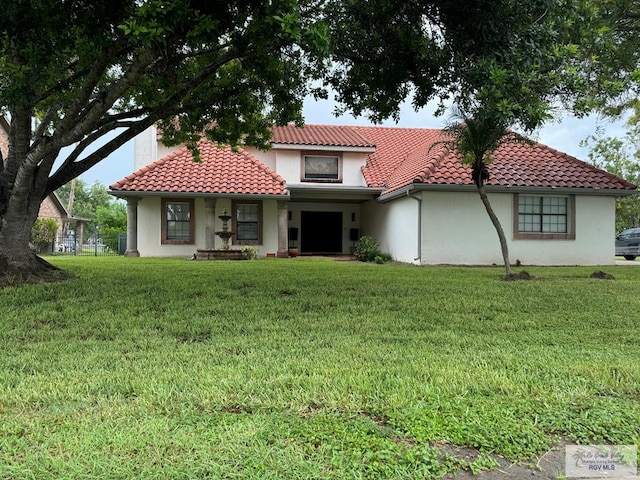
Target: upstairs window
321,168
177,222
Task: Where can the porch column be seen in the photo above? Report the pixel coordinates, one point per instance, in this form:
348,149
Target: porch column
283,223
210,231
132,227
79,236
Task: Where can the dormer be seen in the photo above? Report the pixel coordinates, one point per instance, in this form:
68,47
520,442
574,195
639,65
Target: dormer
319,155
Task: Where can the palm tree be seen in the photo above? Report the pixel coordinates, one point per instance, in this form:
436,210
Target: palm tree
475,138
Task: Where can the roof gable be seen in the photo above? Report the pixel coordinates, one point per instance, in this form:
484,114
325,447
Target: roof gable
220,171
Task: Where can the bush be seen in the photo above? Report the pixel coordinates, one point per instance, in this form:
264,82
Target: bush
368,250
249,252
43,233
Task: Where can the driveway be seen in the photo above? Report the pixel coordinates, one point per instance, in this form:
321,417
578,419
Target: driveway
627,262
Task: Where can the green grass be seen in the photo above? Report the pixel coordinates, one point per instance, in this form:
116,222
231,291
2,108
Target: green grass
309,368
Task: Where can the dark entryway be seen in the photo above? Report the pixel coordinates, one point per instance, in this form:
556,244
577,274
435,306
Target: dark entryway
321,232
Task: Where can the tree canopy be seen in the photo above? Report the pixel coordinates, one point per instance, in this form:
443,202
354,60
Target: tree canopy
621,157
519,59
87,68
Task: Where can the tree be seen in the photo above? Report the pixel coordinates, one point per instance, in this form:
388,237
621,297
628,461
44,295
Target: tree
507,64
616,66
95,73
620,157
112,217
515,58
94,204
475,139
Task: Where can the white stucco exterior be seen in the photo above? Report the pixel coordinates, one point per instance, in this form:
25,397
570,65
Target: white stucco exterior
149,227
456,230
288,164
395,226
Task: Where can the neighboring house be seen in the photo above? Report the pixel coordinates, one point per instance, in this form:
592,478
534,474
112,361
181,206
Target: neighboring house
70,229
333,184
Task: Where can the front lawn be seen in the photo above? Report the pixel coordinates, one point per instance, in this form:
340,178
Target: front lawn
309,368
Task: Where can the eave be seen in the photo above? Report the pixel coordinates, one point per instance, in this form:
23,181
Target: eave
240,196
421,187
322,148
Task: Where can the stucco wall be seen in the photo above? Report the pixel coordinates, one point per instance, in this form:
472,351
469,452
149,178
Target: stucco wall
149,223
4,142
457,230
395,226
147,149
267,157
288,164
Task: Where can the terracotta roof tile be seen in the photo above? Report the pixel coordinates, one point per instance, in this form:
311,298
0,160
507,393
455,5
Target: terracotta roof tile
321,135
402,156
405,155
221,171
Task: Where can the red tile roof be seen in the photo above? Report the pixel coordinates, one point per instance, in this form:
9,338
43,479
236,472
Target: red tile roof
321,135
221,171
427,161
402,156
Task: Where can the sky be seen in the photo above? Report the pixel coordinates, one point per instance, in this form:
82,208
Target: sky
563,134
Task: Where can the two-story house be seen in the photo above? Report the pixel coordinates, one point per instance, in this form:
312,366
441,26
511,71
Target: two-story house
321,187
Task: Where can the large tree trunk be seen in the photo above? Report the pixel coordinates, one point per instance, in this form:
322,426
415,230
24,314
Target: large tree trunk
497,226
18,263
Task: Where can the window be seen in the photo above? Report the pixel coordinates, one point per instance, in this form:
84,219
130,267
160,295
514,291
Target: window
247,223
544,217
321,168
177,222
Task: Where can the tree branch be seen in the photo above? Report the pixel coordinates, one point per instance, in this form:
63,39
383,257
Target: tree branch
69,171
91,81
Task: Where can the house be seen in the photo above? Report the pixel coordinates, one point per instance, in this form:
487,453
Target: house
321,187
69,227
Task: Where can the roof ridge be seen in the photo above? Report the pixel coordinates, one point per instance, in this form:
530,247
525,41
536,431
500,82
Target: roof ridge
147,168
427,157
275,175
434,161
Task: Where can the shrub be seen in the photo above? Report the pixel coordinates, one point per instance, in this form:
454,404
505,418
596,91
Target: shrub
368,250
250,252
43,233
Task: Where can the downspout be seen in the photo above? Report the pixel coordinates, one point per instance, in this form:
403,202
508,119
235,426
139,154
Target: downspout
419,200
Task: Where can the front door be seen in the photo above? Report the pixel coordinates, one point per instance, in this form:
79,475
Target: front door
321,232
